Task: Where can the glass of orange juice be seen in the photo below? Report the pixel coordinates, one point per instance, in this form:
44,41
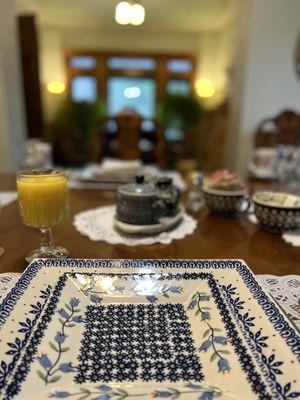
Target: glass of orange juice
43,203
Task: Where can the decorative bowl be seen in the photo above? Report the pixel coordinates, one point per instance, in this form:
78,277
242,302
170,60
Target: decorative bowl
276,211
226,202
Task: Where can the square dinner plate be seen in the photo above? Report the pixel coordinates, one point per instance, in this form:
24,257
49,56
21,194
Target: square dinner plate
143,329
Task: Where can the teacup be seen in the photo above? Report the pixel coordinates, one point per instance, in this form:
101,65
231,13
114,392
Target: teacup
276,211
226,202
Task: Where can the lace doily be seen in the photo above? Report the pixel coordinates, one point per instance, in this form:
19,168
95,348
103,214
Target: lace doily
292,237
97,224
286,291
7,198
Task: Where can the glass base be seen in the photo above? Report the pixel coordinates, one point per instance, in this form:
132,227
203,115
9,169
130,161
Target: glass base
47,252
1,251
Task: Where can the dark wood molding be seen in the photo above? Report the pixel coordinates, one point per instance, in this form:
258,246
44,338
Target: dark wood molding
28,38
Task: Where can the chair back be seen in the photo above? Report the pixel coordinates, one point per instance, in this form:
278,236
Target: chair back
284,129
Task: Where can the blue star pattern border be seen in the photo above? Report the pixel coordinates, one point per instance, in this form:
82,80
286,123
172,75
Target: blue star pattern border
287,332
15,347
245,360
129,342
258,342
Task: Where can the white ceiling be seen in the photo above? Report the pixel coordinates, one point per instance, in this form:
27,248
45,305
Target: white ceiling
165,15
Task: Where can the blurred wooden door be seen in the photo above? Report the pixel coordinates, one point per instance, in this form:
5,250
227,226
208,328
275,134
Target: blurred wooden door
28,38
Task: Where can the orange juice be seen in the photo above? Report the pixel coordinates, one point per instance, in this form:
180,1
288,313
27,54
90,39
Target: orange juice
43,198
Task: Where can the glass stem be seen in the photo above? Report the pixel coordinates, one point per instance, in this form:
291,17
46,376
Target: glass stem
46,239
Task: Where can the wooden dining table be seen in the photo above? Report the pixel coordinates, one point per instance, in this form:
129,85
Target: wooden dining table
214,238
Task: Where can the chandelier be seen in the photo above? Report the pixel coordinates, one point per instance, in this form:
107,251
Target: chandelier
129,12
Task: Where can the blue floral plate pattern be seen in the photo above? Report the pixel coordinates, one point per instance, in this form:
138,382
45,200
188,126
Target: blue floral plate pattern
127,329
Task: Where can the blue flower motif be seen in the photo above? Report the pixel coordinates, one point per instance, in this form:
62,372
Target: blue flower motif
207,396
205,345
74,302
60,337
119,289
102,397
44,361
59,394
162,394
205,315
223,365
192,304
220,339
193,386
203,297
151,298
175,289
95,298
66,367
63,313
104,388
78,319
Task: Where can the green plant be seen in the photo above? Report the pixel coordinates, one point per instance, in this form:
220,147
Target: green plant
80,116
181,111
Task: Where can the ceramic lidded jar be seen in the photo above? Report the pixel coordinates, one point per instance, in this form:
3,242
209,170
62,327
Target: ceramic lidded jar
143,203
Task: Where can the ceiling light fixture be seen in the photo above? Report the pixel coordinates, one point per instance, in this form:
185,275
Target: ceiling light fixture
129,12
122,13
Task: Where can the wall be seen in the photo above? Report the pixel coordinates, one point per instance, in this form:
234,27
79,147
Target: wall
214,51
12,127
216,55
265,79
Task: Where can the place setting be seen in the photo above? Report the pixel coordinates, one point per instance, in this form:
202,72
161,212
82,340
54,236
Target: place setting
146,328
113,172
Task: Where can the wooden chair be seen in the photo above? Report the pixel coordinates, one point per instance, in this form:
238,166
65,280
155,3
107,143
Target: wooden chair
129,136
282,129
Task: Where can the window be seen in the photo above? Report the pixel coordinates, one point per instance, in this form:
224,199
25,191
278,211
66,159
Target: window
174,134
128,80
180,66
83,62
84,88
136,93
144,64
178,86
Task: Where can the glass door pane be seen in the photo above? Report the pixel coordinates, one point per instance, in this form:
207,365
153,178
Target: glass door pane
136,93
178,86
84,88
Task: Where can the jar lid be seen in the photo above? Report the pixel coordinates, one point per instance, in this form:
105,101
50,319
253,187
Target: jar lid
140,188
164,182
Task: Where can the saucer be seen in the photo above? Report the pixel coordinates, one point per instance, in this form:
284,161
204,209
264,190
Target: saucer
165,224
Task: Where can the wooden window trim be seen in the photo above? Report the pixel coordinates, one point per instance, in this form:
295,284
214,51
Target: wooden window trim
102,71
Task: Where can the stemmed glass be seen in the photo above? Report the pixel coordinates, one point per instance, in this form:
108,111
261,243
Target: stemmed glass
43,203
